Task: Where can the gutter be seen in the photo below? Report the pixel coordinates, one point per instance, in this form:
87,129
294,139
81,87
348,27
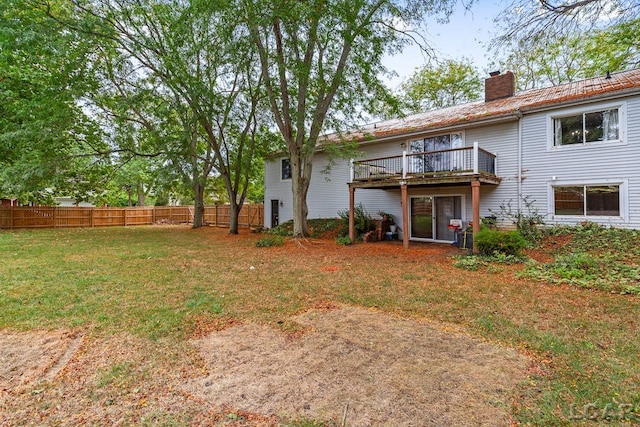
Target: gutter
372,138
520,164
605,96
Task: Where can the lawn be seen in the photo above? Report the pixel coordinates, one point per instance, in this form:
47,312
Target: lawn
154,289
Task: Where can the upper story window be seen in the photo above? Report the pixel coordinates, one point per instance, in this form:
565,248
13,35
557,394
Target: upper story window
430,155
285,168
587,127
436,143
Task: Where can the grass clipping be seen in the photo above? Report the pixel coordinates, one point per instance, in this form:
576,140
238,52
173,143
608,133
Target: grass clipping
363,367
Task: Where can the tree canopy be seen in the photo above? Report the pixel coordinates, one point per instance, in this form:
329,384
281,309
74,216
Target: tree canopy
45,135
546,42
448,83
321,62
176,81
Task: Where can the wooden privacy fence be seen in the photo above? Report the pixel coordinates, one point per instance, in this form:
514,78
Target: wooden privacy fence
67,217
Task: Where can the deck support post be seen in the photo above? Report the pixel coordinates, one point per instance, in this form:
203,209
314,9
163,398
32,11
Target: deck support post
475,223
352,221
405,215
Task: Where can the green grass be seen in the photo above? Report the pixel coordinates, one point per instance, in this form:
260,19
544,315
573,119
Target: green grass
154,282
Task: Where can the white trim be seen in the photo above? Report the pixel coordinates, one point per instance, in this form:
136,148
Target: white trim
591,108
624,200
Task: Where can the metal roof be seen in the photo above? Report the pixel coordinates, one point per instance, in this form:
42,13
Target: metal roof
616,84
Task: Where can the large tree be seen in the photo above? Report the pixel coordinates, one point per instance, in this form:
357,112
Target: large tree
45,135
321,64
448,83
547,42
188,56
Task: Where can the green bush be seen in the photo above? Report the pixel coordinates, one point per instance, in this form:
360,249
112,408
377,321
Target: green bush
268,241
285,229
362,219
490,242
529,221
343,240
469,262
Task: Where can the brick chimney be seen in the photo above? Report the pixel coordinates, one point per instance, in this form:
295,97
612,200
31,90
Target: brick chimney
499,86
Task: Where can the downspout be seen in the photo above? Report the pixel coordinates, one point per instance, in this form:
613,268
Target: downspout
519,162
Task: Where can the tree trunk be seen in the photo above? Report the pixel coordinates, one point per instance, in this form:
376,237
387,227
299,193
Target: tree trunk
234,211
141,195
198,213
300,179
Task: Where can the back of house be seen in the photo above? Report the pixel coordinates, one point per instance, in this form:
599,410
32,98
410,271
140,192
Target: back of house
569,153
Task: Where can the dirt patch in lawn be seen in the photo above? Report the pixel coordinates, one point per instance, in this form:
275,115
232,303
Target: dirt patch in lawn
26,357
363,365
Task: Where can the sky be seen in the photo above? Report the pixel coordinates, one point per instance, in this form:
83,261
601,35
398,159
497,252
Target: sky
466,35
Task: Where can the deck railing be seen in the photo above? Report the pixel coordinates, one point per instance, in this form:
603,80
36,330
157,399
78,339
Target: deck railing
456,161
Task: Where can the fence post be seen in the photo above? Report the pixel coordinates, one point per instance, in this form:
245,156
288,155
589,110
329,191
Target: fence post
125,216
11,217
153,214
216,205
53,216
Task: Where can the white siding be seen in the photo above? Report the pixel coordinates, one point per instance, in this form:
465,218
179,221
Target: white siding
329,193
544,165
502,140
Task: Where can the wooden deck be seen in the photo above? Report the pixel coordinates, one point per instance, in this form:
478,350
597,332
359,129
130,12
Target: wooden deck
432,168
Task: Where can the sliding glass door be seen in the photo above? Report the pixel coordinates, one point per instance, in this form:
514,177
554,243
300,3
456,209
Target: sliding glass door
430,216
422,217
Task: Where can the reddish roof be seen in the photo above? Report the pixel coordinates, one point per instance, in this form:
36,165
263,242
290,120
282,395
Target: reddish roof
625,82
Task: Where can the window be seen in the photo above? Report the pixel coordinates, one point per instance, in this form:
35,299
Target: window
435,143
433,162
583,128
285,169
587,200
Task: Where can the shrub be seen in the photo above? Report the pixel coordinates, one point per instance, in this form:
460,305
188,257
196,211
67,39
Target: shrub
490,242
363,221
268,241
319,227
284,229
469,262
528,222
343,240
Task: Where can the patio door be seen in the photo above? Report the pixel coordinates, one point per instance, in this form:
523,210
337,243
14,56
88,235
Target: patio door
434,159
430,216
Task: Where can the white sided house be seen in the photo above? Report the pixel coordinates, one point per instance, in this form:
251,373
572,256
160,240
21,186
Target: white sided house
571,152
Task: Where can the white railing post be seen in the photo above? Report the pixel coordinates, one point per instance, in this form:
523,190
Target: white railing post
404,164
351,171
495,164
475,157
